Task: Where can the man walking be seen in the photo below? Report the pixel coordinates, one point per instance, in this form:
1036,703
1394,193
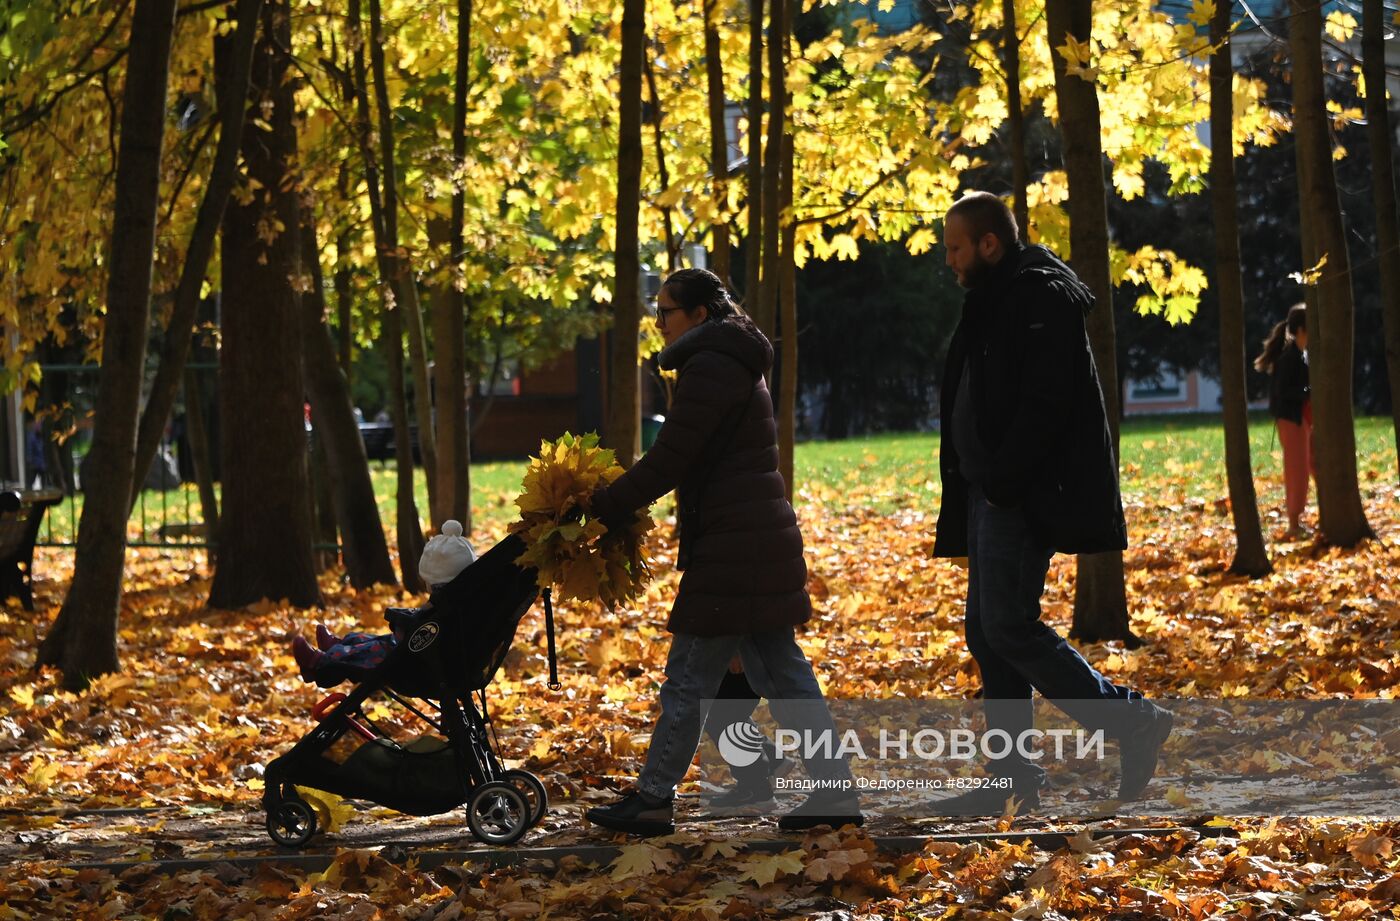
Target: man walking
1028,470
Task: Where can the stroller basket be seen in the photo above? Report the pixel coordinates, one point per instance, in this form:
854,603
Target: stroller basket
450,652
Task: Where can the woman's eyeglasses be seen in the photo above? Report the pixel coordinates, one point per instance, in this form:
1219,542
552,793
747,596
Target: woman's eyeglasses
660,312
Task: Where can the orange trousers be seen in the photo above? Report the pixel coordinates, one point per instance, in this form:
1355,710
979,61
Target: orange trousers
1296,440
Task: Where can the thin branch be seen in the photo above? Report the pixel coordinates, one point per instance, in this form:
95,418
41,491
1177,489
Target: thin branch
199,146
856,203
111,117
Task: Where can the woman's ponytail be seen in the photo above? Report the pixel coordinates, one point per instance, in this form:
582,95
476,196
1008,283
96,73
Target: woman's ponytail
1283,332
1273,348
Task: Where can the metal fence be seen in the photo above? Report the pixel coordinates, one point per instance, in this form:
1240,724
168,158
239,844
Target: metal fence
168,511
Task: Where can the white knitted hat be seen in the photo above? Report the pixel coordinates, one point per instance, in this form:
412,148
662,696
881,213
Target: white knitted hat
446,554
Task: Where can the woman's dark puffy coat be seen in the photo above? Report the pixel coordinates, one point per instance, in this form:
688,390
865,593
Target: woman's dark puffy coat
745,572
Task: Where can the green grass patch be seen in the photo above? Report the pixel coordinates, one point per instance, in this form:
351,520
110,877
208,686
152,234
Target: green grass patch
1166,459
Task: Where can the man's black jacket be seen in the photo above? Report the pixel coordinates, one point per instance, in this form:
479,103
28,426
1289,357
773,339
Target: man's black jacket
1038,408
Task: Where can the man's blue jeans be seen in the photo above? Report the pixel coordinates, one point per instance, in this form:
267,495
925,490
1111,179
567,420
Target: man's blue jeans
1015,651
776,668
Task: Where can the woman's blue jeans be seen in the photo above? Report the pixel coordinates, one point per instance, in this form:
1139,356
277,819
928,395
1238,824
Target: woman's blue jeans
777,670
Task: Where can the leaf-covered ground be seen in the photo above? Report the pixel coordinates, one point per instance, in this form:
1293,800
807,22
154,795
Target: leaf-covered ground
207,697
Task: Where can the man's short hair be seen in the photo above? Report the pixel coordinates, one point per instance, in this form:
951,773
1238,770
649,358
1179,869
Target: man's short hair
986,213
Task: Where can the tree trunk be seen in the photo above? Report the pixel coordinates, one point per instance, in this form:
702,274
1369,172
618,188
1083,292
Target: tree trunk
405,285
673,246
1100,598
753,236
322,500
1331,323
454,426
624,379
1016,118
770,281
787,325
343,282
363,547
233,97
450,385
1383,179
344,313
83,639
407,527
265,529
197,430
1251,558
719,146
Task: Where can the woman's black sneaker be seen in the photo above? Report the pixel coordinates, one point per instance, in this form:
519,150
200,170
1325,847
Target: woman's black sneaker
743,799
637,814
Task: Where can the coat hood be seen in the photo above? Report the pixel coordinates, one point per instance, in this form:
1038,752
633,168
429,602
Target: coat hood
1036,261
735,336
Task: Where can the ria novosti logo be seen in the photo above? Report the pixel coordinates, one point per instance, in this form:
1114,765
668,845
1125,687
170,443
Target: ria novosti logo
741,744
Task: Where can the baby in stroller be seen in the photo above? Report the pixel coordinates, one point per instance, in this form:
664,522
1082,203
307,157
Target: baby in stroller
334,658
437,669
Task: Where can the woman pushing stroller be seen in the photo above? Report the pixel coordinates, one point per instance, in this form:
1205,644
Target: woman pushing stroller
743,587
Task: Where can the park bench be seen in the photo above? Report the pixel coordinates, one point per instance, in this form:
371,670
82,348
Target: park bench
21,513
379,440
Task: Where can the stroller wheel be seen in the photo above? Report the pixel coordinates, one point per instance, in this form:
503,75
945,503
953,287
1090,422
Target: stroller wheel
497,813
530,787
291,823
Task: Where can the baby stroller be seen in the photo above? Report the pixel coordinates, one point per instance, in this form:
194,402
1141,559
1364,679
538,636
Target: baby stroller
451,652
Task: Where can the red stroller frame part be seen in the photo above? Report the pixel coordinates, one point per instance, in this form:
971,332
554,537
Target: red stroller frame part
450,651
319,711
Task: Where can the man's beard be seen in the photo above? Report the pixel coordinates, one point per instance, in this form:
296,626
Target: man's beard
977,274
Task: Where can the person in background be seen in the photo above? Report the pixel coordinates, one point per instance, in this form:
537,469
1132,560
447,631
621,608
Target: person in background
34,461
1285,360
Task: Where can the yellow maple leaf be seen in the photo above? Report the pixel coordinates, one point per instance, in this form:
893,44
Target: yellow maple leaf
641,860
719,849
332,812
1077,55
1202,12
1340,25
1177,797
764,869
1310,276
1371,849
41,775
834,865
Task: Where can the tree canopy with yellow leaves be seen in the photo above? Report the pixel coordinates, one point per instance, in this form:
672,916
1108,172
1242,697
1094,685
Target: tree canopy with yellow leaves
879,156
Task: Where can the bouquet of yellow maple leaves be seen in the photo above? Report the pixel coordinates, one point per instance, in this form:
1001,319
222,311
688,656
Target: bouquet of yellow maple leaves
573,551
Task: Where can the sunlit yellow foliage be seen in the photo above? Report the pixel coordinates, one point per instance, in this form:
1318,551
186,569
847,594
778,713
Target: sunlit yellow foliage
880,151
1174,286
